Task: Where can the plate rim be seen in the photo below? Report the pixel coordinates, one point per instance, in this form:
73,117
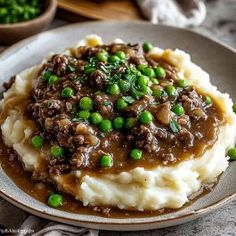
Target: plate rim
138,22
50,216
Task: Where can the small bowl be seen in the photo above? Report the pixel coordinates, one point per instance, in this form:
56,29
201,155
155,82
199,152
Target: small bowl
11,33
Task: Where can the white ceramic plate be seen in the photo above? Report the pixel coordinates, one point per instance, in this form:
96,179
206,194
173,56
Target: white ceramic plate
212,56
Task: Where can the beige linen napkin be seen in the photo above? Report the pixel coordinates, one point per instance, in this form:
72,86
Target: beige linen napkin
14,221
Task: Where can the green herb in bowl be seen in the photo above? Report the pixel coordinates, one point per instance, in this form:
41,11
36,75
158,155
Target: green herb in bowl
14,11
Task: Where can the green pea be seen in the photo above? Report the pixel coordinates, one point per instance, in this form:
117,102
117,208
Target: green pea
118,122
46,75
57,151
146,90
19,9
171,90
84,115
106,161
121,104
67,92
121,55
234,108
137,72
124,86
37,141
96,118
149,72
154,80
114,59
178,109
130,122
182,83
86,103
32,11
136,154
157,93
102,56
26,16
232,154
147,47
3,11
113,89
53,79
208,100
142,66
145,117
160,72
55,200
142,80
105,126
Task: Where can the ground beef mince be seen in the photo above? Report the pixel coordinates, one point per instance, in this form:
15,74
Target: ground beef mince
113,107
8,84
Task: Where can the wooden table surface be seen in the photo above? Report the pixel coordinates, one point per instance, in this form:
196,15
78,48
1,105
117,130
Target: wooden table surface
108,10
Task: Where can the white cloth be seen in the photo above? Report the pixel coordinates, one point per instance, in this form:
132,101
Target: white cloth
182,13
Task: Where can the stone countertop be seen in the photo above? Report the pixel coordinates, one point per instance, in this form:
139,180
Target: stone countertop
220,24
220,223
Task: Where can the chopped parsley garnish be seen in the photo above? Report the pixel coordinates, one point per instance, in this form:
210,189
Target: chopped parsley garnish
154,103
74,109
128,99
102,134
71,68
106,103
77,119
49,103
174,126
131,77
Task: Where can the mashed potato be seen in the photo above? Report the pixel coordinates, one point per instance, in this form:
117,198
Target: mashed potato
139,188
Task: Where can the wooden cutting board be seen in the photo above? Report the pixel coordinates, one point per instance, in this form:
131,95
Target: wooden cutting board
102,10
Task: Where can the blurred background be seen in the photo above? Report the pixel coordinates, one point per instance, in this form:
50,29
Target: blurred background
219,20
216,18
